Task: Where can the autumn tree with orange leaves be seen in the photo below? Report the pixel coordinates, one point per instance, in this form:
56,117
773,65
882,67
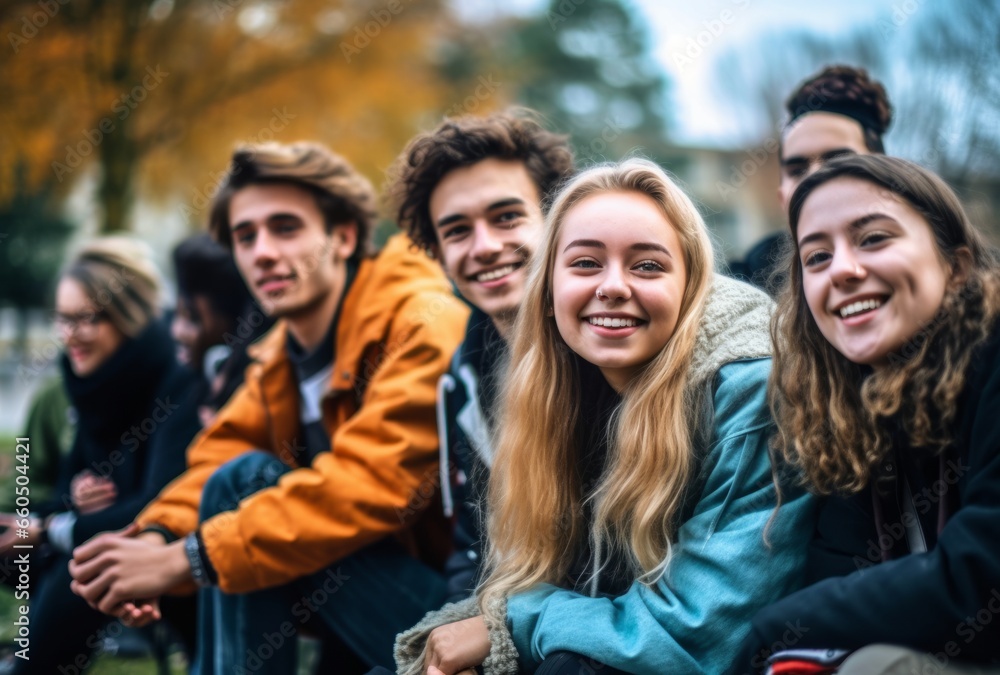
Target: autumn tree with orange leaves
150,97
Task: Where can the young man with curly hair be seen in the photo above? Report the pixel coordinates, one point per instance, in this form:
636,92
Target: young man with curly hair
304,503
838,111
470,193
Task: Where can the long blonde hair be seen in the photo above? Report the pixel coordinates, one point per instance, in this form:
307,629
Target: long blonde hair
536,520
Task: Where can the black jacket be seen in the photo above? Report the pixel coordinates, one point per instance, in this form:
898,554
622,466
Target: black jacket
945,601
136,415
466,395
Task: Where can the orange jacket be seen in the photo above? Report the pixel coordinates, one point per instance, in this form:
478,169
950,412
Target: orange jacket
399,325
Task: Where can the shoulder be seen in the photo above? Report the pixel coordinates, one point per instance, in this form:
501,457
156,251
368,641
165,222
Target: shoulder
739,397
398,272
402,285
734,327
179,390
985,363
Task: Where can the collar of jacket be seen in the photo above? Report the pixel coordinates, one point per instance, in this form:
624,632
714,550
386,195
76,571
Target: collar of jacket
735,326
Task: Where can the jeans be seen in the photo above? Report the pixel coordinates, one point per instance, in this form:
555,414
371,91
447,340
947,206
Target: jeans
363,600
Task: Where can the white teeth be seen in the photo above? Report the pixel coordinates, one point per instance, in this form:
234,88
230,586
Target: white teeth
608,322
495,274
860,306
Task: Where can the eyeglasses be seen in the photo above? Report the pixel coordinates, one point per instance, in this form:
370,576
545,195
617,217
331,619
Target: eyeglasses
84,323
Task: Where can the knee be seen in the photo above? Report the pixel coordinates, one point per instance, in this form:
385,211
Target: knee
883,659
237,479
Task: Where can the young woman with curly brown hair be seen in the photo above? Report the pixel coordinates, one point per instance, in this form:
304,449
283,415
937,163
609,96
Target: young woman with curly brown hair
885,390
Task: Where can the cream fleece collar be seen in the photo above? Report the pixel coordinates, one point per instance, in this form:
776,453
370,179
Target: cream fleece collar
734,327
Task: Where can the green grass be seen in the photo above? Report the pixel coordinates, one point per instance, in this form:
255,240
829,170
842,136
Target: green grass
103,665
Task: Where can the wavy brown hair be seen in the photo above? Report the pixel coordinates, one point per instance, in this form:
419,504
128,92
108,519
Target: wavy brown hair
342,194
834,417
536,521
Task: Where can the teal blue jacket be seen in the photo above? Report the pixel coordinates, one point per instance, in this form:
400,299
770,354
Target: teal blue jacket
721,571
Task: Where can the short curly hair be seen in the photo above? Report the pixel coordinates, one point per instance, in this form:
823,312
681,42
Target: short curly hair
846,90
342,194
462,141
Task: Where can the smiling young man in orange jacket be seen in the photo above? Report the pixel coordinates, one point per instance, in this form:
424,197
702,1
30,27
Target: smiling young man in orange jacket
314,481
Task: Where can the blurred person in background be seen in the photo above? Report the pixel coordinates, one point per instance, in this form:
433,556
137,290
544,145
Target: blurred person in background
51,425
136,415
216,319
838,111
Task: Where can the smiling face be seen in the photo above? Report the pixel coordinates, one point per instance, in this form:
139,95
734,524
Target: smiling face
89,337
618,282
871,271
292,265
812,141
487,219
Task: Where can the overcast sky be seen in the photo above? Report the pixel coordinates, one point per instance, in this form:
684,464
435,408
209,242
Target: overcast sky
700,117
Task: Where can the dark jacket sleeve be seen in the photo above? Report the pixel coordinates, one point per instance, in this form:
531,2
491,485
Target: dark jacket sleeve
928,601
166,453
59,499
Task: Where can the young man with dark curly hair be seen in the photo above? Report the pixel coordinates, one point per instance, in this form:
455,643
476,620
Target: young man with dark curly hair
470,193
305,501
838,111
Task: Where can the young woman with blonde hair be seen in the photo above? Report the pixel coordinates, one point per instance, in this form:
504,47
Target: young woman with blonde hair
631,485
886,390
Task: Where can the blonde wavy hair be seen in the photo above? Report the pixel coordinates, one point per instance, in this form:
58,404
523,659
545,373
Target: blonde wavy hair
120,279
834,417
536,520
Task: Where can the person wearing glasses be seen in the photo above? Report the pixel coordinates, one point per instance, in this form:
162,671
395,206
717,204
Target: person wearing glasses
136,413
